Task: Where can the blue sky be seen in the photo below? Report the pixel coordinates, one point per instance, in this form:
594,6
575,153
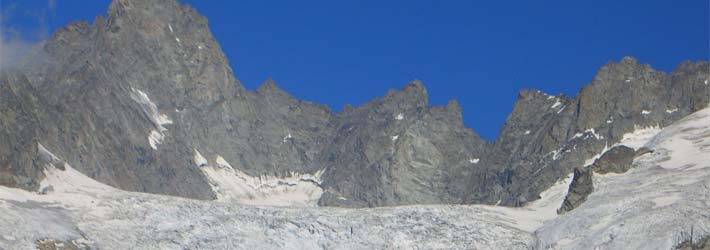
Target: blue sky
478,52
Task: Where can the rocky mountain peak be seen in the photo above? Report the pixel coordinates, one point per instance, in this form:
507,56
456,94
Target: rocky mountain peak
454,107
413,95
270,88
133,99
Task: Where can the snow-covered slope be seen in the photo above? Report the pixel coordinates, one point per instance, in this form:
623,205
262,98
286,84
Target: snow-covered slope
94,215
666,193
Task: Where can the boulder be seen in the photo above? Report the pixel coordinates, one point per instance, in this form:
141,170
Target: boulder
579,189
616,160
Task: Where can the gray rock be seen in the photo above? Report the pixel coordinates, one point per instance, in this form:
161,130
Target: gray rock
581,186
642,151
616,160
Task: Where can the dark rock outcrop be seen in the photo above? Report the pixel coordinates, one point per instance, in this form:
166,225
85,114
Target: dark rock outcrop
642,151
582,186
616,160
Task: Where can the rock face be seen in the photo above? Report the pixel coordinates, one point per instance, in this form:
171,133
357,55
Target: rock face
132,99
617,160
581,186
546,136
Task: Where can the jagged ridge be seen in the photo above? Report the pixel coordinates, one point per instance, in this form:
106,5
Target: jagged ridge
391,151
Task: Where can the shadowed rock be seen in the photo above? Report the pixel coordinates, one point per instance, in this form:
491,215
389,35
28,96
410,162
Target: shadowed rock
581,186
616,160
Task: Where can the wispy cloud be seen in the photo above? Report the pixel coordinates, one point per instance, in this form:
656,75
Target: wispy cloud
18,41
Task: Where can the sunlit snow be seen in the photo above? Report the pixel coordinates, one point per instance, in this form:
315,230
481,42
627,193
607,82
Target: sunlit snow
158,120
232,185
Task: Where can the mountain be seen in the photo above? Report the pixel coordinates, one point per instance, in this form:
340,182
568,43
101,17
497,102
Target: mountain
659,203
144,100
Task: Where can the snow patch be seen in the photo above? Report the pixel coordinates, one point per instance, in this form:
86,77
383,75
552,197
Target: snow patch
222,163
394,138
556,154
587,133
635,139
198,159
399,117
671,111
527,132
233,185
287,137
155,138
557,104
46,155
474,160
645,112
562,109
151,111
170,27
